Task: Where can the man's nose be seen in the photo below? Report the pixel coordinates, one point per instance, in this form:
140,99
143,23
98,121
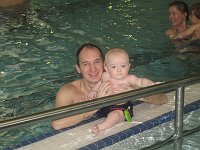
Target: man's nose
93,67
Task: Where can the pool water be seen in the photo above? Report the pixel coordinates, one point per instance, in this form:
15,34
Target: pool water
39,43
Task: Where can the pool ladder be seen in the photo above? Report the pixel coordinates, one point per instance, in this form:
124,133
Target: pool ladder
178,86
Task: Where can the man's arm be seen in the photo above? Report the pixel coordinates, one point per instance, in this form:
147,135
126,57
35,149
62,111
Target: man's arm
68,95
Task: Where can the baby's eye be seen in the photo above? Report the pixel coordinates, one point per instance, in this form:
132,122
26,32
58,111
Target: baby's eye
123,66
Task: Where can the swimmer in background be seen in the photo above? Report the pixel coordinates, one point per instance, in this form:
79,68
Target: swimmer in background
194,29
11,3
193,32
116,67
179,16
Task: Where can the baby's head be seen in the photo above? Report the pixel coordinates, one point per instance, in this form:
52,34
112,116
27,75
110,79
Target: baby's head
117,63
195,13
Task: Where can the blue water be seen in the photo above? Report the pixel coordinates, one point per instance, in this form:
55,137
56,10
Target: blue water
39,42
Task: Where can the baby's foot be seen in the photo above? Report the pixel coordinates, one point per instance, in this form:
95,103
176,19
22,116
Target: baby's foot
95,130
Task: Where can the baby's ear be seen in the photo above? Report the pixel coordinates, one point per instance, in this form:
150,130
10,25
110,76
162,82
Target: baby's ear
105,67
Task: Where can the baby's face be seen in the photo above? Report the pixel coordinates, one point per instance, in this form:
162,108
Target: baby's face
117,65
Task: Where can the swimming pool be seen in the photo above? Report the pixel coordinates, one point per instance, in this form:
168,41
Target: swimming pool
37,51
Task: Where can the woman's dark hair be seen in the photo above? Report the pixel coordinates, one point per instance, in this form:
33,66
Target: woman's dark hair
195,9
182,7
88,45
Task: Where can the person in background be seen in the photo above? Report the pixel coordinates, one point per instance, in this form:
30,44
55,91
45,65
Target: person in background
11,3
179,16
194,29
117,67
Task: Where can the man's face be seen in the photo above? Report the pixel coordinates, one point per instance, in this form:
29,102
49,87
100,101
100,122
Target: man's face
90,64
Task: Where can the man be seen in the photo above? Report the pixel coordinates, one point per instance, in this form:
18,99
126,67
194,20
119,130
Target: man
90,61
90,64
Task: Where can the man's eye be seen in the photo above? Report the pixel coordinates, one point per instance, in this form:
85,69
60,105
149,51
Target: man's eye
85,64
113,67
97,61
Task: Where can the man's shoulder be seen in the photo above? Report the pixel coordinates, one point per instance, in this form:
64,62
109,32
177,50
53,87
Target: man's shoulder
72,86
68,92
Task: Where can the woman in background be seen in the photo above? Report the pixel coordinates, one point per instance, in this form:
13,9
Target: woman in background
194,29
179,16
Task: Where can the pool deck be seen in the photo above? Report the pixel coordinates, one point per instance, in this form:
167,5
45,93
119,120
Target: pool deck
146,116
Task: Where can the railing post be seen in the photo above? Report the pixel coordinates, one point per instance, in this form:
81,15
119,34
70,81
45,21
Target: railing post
179,109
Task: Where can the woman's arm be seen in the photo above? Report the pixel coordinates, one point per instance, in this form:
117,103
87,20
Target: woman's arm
188,32
171,33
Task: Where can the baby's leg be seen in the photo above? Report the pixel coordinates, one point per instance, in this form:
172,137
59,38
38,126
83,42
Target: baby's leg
113,118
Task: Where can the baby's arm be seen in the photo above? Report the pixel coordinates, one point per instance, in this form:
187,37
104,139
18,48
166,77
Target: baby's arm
157,99
140,82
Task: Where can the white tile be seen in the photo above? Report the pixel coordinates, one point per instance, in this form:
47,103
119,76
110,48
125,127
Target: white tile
80,136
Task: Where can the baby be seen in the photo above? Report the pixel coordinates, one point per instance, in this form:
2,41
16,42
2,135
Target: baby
116,67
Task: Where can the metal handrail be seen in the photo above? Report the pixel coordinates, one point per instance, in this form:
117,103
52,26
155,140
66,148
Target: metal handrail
82,107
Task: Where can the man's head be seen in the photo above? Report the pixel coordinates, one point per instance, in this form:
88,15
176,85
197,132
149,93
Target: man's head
90,61
117,63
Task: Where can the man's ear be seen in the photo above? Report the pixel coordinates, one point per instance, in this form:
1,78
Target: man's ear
78,68
129,65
